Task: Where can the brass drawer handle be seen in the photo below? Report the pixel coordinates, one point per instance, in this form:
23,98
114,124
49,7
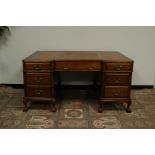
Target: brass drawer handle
119,67
116,94
35,67
90,68
116,80
66,68
38,80
38,92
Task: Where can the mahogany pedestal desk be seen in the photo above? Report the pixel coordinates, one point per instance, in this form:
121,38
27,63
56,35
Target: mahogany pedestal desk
115,71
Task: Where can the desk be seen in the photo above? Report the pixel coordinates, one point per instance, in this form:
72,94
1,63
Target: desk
115,71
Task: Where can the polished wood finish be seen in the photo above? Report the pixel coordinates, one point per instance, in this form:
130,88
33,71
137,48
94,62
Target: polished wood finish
38,91
38,82
116,92
38,78
116,79
118,67
37,67
115,70
77,66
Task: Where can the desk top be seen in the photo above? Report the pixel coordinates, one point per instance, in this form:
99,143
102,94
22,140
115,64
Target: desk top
77,56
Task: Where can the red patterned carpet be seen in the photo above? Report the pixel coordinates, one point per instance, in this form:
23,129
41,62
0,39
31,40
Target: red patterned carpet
77,109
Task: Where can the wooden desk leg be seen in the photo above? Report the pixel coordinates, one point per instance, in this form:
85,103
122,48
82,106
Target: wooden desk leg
25,102
128,109
95,80
100,108
59,78
53,105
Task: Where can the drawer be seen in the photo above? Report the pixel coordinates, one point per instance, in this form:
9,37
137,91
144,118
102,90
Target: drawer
37,67
115,66
111,79
38,91
116,92
37,78
78,66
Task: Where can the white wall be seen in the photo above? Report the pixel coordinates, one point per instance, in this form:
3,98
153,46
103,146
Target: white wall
137,43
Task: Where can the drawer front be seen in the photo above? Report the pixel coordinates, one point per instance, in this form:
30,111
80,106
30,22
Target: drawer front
122,66
37,67
116,92
37,78
36,91
111,79
78,66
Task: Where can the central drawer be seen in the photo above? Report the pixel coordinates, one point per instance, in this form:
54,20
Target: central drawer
38,91
78,65
38,78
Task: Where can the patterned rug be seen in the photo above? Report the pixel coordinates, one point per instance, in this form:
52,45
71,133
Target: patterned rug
76,109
